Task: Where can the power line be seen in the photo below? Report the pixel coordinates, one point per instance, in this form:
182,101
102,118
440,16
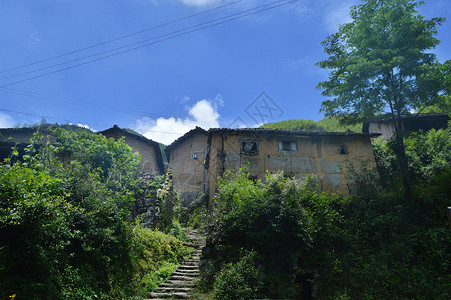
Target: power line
88,104
75,122
161,37
170,36
123,37
42,116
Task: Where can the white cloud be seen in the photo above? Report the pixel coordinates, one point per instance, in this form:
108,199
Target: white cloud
6,121
332,13
165,130
85,126
337,15
200,2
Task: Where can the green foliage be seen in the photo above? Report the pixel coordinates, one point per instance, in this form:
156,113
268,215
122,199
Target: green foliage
374,244
167,202
239,281
330,124
154,255
195,215
34,234
443,107
429,155
303,125
381,59
65,223
281,219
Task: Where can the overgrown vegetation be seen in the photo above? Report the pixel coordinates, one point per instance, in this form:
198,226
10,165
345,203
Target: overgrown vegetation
330,124
284,238
66,230
383,61
195,215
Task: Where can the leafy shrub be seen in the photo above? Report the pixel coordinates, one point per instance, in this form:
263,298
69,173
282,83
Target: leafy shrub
154,256
65,223
33,232
281,219
331,124
374,244
241,280
428,153
196,214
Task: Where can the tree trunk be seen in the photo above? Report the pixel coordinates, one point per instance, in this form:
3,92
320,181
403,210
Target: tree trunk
402,159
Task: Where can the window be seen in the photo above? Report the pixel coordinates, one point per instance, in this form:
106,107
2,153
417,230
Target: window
249,147
195,156
343,150
288,146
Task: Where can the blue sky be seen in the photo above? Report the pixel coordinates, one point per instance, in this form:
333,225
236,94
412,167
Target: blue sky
259,68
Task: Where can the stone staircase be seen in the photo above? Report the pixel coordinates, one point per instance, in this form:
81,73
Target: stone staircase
181,283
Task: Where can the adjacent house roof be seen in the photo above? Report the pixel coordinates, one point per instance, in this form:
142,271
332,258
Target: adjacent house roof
388,117
439,120
174,144
126,133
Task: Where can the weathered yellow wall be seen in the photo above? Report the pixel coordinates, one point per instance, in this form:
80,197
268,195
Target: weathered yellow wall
318,155
188,173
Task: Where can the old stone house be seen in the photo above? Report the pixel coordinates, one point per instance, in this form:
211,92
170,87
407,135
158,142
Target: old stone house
20,138
385,125
297,153
186,157
151,158
14,137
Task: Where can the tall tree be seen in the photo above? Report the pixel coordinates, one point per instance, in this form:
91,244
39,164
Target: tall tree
381,61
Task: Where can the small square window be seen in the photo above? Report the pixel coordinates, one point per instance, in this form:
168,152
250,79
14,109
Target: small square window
343,150
288,146
249,147
195,156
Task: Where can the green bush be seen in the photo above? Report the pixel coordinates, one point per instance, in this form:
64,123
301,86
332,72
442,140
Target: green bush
286,221
373,244
239,281
65,223
196,214
34,232
428,153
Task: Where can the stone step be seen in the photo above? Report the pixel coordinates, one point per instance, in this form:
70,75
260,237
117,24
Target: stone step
177,283
172,289
193,264
188,267
183,278
179,295
188,271
188,274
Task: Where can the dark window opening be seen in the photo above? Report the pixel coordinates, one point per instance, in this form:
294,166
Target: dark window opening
253,177
343,150
288,146
289,175
250,148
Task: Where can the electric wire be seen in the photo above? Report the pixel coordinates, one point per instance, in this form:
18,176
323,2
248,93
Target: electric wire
137,43
43,116
240,15
123,37
75,122
88,104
